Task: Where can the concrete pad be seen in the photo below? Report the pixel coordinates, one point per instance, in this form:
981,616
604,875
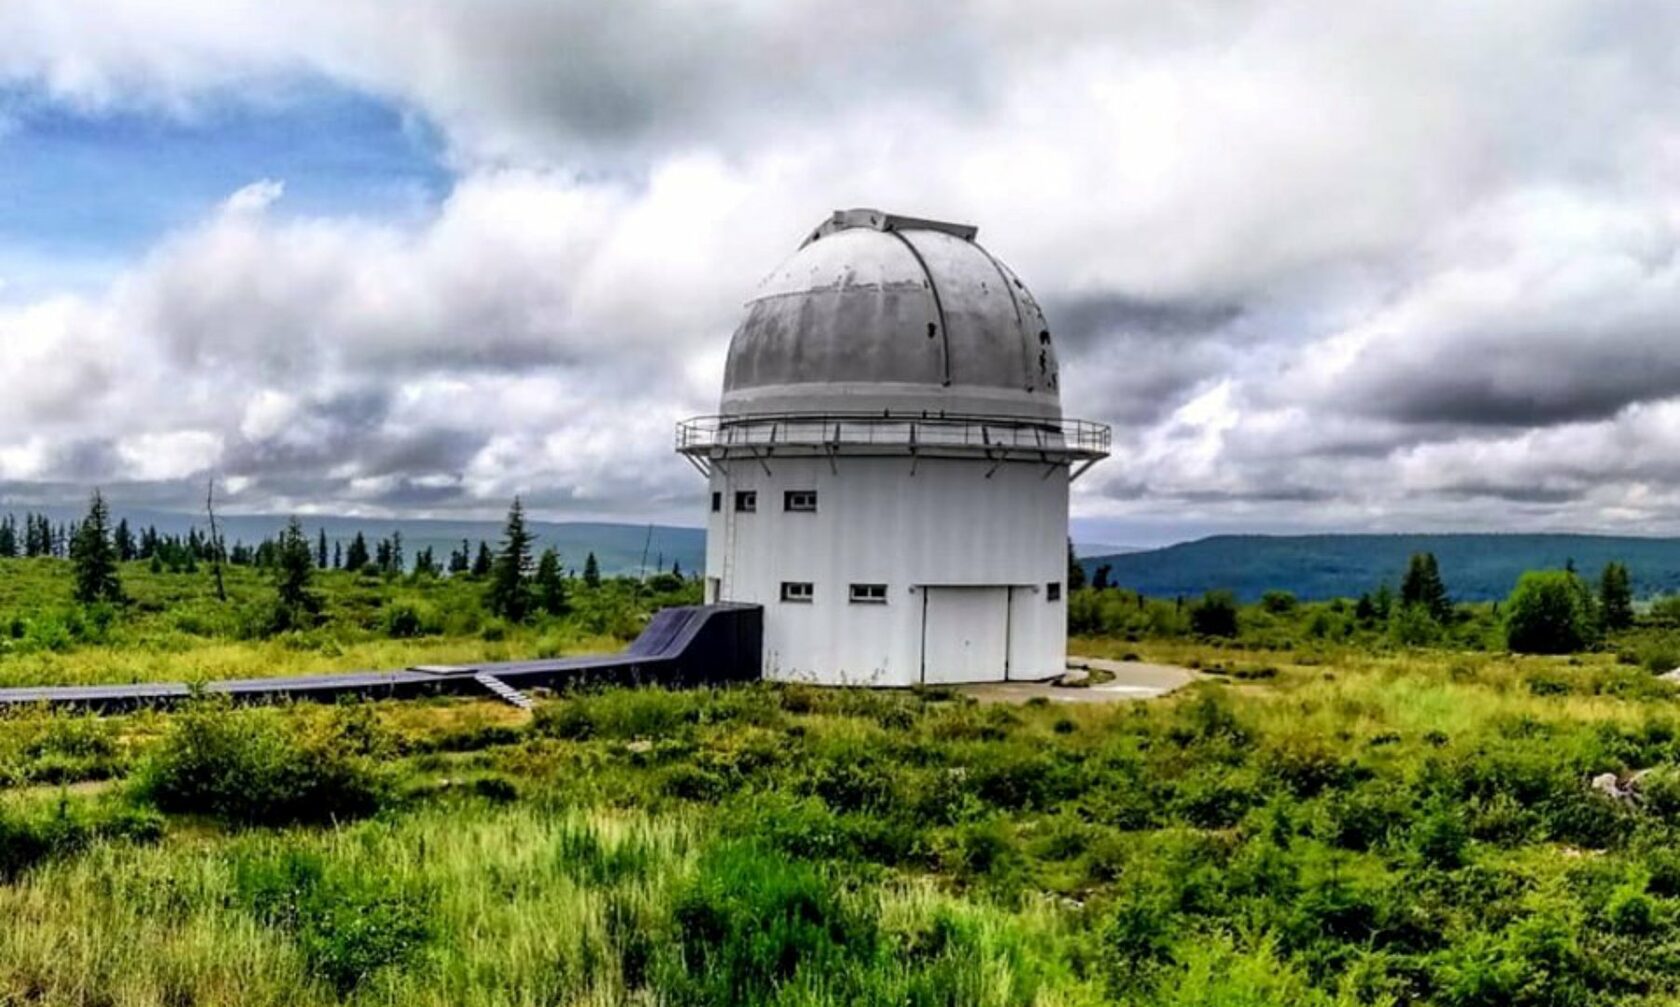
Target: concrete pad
1132,680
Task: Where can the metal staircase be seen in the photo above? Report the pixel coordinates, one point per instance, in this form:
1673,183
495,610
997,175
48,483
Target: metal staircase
503,690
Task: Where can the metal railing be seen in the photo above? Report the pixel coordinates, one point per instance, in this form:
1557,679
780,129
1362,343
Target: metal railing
986,436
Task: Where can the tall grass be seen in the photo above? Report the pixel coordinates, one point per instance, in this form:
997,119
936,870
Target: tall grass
1396,827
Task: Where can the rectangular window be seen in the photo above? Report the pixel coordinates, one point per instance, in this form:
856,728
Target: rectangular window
746,500
869,594
805,500
797,590
1053,591
717,501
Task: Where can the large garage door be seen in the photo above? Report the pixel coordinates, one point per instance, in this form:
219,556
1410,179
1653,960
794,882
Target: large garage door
965,634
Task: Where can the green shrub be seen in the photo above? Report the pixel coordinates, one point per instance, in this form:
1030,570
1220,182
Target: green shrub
1440,837
347,923
1413,626
1215,614
31,835
262,767
752,924
408,618
60,749
1550,612
1630,910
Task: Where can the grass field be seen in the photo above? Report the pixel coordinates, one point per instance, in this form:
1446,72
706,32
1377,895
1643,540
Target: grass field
1335,821
174,628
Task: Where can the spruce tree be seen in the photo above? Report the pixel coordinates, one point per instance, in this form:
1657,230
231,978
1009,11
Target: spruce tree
1422,585
294,572
459,561
483,561
1615,596
1075,572
8,538
94,556
549,585
321,549
356,556
510,592
592,572
124,541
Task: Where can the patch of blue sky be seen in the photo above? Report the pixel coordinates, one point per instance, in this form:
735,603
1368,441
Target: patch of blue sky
83,191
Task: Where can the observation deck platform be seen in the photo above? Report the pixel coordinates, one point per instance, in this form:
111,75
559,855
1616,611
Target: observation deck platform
707,440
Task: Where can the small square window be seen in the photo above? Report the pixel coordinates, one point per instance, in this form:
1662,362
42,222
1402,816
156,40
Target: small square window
717,501
797,590
1053,591
802,500
869,594
746,500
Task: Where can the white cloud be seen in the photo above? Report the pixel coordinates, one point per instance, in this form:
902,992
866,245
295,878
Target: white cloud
1370,264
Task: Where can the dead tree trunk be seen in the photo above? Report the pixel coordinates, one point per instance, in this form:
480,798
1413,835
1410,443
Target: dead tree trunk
215,542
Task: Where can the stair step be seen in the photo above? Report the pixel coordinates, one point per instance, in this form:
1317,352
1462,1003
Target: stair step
503,690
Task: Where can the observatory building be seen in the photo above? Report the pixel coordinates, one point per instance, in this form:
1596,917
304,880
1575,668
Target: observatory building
889,469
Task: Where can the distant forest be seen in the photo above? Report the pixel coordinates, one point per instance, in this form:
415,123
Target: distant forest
181,540
1315,567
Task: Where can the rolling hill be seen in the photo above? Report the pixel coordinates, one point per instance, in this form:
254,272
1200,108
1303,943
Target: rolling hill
1476,567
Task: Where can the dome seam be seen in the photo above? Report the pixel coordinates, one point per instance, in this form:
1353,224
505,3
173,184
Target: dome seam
938,306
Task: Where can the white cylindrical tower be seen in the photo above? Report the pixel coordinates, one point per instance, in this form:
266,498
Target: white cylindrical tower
889,470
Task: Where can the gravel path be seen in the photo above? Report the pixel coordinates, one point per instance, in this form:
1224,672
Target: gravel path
1132,680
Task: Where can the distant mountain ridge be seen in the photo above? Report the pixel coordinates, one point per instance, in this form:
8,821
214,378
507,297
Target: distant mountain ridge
617,547
1476,567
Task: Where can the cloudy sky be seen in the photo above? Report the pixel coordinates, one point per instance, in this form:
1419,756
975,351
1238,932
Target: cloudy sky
1384,265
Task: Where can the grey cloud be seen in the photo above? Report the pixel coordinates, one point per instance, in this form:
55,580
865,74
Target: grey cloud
88,460
1218,204
1517,387
1528,494
1084,320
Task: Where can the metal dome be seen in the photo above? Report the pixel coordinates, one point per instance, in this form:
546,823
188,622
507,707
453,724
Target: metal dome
881,313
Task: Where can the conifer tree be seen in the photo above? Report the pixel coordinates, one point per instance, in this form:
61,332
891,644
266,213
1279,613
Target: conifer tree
510,591
94,556
1422,585
1075,572
338,555
321,549
124,541
459,561
8,538
1615,596
294,571
356,556
550,586
592,571
483,561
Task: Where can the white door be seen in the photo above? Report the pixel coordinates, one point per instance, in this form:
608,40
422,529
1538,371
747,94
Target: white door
965,634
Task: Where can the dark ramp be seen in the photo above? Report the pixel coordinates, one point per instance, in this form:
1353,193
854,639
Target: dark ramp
684,646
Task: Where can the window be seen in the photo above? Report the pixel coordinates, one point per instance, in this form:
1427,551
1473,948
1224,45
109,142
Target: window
870,594
717,501
796,590
1053,591
746,500
805,500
